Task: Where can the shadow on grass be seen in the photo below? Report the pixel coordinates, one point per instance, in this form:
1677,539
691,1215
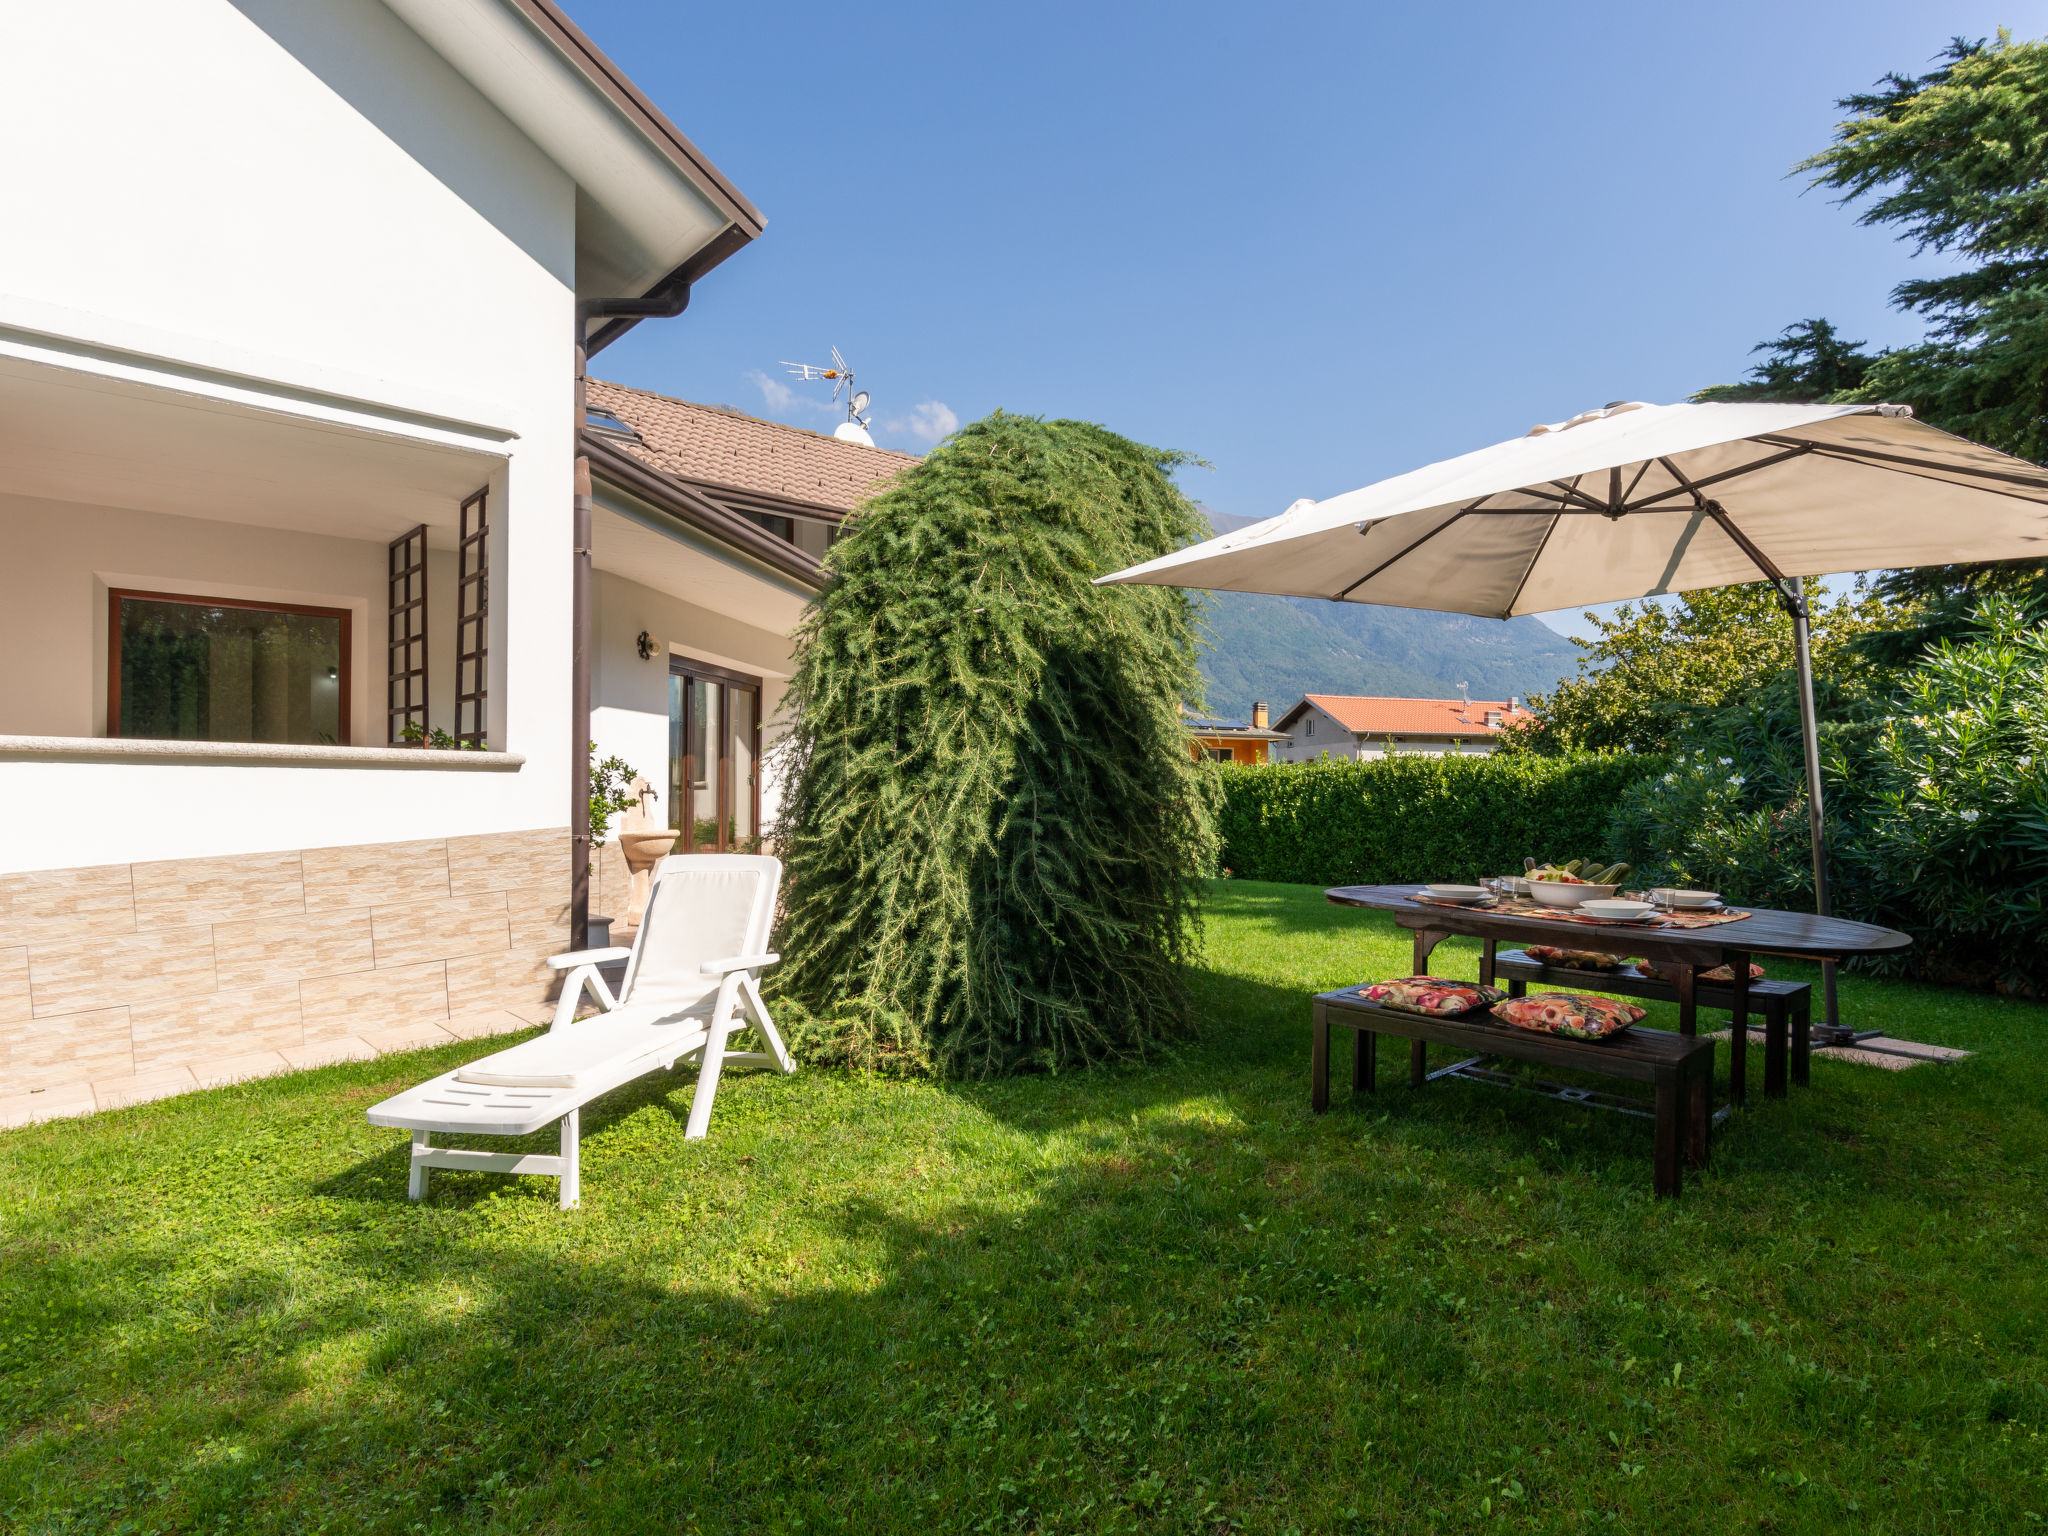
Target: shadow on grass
1162,1298
1171,1326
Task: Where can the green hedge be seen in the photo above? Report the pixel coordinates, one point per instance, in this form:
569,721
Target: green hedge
1389,820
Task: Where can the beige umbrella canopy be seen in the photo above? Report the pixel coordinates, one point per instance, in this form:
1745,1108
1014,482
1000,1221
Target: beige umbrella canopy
1637,500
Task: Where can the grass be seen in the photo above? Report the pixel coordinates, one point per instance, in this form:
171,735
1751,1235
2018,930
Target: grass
1160,1299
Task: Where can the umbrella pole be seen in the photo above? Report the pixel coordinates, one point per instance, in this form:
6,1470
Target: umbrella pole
1793,596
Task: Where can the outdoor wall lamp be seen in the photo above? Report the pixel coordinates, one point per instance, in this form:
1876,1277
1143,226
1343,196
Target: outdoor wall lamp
646,646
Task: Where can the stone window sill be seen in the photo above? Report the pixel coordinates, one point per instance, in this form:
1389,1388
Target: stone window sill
122,749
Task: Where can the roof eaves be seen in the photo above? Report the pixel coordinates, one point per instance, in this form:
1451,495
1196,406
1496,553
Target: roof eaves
611,81
692,507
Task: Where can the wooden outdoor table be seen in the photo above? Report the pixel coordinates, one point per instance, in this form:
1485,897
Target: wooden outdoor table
1798,935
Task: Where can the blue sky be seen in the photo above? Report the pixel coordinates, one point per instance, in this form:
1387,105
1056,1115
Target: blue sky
1315,245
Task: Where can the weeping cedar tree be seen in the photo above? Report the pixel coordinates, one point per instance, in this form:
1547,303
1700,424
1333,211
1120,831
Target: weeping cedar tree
994,830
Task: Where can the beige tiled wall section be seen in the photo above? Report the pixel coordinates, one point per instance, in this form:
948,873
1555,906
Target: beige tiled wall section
133,980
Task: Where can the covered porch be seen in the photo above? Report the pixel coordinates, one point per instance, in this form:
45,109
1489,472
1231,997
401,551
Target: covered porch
232,615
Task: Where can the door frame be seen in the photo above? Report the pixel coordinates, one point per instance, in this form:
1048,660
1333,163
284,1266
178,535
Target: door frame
704,672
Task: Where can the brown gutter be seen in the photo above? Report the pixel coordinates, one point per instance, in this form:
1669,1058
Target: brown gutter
702,260
696,510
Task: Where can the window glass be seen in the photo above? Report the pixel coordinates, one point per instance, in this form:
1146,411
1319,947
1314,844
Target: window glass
740,803
703,751
198,671
713,765
678,697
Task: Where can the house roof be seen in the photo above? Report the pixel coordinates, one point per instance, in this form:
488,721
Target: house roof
696,508
1211,725
1409,717
651,210
722,450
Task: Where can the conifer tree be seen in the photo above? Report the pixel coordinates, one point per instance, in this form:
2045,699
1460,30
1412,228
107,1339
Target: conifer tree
994,828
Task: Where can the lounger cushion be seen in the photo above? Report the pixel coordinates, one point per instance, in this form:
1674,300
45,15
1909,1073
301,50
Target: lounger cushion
578,1055
709,914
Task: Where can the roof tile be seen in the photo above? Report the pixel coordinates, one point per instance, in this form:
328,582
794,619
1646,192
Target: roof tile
1420,717
743,453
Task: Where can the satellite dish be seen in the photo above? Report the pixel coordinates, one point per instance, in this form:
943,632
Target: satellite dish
860,402
853,432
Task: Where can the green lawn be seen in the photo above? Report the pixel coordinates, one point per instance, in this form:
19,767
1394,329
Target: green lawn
1160,1299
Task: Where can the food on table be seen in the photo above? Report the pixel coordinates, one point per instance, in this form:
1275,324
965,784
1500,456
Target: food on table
1578,872
1574,959
1572,1014
1431,995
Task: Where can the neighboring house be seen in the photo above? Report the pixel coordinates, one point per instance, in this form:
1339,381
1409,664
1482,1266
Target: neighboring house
1234,741
708,531
1342,725
294,302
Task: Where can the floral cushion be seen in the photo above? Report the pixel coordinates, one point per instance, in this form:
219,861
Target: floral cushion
1569,1013
1576,959
1718,973
1431,994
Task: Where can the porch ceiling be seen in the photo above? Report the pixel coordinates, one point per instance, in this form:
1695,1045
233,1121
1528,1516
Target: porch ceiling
642,546
73,436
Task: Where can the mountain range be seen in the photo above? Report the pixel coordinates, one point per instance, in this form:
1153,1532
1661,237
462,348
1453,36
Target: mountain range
1276,649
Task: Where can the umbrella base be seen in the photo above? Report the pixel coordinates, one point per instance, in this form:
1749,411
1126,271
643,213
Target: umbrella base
1841,1034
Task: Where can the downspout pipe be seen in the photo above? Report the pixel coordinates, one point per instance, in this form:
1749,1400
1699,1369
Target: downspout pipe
664,303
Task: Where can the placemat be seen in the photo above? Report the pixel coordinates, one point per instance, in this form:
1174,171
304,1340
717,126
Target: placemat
1508,906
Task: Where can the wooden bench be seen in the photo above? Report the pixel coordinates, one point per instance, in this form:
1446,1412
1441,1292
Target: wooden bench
1787,1007
1680,1070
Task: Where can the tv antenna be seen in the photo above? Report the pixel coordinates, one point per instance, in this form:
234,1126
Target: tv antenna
842,379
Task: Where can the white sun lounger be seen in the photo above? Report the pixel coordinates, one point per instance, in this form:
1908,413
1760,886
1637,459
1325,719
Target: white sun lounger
690,983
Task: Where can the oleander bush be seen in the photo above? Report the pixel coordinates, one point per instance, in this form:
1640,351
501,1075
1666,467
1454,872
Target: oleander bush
1383,821
994,832
1937,808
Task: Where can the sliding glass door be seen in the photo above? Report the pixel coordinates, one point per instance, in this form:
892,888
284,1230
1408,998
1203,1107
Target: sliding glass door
714,749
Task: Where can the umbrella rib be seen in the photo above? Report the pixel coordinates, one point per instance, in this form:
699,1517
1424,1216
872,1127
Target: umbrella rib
1938,479
1530,569
1570,493
1404,554
2038,479
1642,469
1742,540
1725,523
1694,487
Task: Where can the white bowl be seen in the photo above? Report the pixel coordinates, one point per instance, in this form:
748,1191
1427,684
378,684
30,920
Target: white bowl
1456,892
1671,898
1557,893
1620,911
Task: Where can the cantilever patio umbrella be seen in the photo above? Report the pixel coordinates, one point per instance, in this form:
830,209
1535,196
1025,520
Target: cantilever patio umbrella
1636,500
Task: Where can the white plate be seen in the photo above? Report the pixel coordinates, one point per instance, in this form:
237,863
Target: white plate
1683,901
1563,893
1616,909
1456,892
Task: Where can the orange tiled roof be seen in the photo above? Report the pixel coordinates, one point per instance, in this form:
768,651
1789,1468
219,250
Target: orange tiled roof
743,453
1416,717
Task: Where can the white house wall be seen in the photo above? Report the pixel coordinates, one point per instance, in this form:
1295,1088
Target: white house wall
301,208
